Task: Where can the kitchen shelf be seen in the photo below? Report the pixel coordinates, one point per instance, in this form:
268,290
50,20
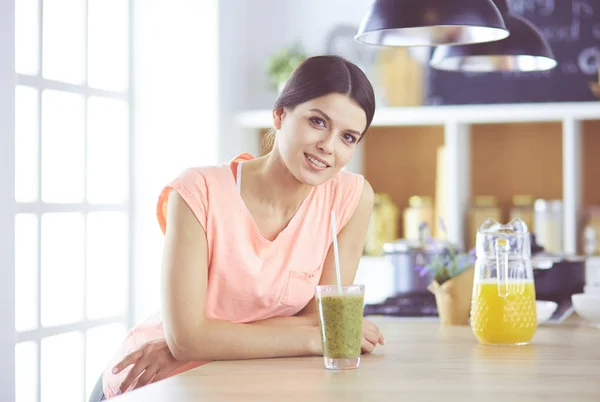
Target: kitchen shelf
569,131
466,114
591,161
516,158
402,160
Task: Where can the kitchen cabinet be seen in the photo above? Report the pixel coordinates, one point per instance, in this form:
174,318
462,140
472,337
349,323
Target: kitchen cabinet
591,162
401,161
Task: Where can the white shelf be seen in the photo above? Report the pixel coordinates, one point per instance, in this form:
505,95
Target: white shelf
467,114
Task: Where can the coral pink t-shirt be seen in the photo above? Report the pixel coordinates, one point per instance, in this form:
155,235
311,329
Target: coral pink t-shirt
250,278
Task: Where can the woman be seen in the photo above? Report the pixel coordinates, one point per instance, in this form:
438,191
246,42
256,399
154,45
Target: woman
246,242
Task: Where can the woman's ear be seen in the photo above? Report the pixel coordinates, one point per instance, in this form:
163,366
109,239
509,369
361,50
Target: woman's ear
277,117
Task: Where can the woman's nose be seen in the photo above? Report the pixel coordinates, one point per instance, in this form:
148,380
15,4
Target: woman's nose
326,144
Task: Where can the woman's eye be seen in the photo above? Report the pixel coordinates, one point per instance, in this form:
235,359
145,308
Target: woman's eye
350,138
317,121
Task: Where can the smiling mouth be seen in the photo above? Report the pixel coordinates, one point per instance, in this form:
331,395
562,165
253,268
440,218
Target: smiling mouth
316,162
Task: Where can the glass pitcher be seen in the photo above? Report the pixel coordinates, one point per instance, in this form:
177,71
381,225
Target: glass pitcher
503,306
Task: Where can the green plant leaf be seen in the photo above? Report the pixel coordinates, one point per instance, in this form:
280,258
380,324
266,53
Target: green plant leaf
282,64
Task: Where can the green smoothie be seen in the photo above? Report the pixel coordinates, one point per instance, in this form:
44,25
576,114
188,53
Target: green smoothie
341,331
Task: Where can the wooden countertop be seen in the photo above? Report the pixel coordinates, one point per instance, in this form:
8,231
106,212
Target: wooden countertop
421,361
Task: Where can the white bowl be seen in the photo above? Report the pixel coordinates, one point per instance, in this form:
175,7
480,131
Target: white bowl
587,306
545,309
592,289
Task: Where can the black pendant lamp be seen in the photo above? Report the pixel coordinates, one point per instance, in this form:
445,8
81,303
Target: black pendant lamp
431,23
524,50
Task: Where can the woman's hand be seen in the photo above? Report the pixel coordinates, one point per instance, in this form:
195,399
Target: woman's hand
371,337
152,362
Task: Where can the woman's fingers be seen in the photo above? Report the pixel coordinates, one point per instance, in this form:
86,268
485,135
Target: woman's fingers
370,335
375,329
165,371
128,360
162,374
147,377
140,366
367,347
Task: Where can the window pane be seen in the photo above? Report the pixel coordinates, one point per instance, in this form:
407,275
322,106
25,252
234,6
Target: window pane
26,273
108,44
27,36
63,149
26,144
63,52
26,371
102,343
62,368
108,138
107,264
62,268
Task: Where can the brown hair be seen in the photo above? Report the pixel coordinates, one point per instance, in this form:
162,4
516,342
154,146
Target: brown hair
323,75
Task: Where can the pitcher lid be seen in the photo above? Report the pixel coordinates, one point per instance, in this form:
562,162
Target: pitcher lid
514,237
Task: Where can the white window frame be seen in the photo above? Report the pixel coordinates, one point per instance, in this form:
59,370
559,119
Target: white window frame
7,200
9,79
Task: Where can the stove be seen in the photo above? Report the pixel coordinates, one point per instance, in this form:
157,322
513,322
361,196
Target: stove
411,304
422,304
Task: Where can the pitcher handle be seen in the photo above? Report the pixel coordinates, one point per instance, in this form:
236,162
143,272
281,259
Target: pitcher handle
502,248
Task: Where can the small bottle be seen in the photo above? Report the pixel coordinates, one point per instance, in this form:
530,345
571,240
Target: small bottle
591,232
522,209
484,207
383,226
590,241
420,211
548,224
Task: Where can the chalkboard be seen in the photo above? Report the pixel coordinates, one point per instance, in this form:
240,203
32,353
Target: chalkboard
571,27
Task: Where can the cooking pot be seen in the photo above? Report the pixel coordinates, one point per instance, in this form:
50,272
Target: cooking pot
557,276
407,258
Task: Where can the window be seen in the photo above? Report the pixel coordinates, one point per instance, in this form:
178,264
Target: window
68,205
69,195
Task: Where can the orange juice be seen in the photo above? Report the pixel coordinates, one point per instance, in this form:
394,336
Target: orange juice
503,320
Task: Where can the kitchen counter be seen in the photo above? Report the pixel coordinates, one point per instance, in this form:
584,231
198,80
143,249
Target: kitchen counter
421,361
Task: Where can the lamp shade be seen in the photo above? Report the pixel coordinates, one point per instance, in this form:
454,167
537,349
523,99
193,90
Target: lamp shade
524,50
431,23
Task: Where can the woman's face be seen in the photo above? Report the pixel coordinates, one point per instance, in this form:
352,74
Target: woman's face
317,138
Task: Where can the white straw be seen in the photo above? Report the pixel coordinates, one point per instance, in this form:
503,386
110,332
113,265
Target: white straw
335,252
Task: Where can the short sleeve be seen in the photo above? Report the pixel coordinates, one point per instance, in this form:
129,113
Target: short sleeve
350,187
191,185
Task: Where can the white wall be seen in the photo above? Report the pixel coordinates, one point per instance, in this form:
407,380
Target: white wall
248,32
176,125
272,24
312,20
232,60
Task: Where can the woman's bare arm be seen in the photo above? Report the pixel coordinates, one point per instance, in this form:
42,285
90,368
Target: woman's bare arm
189,334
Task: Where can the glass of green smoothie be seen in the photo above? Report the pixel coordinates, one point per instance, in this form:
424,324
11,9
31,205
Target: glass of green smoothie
340,320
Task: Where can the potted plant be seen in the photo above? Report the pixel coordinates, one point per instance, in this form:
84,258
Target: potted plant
452,282
281,65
